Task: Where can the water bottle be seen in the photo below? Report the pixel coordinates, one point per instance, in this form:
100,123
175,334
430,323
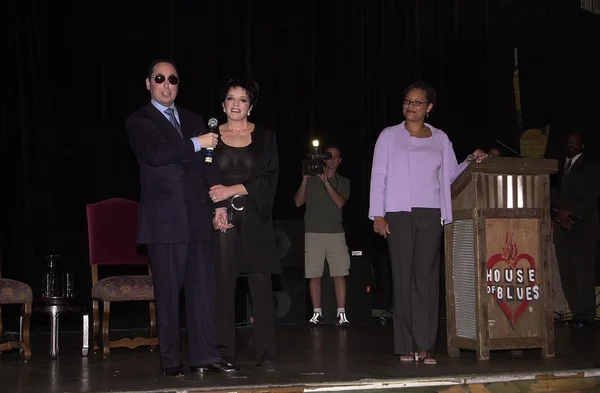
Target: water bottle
49,285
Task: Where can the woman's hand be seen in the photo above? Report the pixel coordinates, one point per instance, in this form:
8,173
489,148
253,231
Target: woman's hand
219,221
380,226
478,156
220,193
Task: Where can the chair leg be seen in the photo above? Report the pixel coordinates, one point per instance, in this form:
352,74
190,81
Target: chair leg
152,307
85,344
1,331
95,325
105,329
25,330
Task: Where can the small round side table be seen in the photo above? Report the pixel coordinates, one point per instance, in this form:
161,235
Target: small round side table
64,305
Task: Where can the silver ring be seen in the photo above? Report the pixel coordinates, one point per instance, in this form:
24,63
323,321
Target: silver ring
233,198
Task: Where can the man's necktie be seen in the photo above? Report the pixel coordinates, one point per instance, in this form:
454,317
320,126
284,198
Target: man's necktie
173,120
566,170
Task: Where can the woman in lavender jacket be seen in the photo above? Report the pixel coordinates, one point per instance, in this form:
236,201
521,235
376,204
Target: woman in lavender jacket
413,167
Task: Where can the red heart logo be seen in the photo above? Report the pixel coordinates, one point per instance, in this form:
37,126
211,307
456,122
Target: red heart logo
511,263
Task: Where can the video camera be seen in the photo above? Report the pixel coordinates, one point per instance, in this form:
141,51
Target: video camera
314,162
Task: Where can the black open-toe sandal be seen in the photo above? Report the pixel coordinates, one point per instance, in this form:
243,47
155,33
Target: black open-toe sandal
425,357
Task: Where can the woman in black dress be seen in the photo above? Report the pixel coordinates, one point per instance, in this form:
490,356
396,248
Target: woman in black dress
245,245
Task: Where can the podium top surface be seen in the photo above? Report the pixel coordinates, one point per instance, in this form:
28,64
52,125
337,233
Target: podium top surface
504,165
514,166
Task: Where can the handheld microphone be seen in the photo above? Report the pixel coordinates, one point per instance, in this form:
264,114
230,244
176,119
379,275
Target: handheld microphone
212,125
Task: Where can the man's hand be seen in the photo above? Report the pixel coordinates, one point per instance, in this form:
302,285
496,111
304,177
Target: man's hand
323,178
300,195
380,225
220,193
335,196
220,220
209,140
563,218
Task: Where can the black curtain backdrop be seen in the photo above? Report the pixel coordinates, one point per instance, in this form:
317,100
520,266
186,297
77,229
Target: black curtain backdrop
331,70
559,69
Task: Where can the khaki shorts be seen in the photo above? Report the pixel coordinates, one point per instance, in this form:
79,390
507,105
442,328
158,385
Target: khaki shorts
330,246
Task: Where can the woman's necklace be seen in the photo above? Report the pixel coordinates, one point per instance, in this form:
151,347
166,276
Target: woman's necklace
419,132
237,133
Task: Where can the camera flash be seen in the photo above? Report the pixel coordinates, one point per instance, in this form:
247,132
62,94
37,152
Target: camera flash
316,143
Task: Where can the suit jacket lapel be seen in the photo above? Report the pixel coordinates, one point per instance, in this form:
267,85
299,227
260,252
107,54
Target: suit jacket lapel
163,123
575,168
577,165
186,129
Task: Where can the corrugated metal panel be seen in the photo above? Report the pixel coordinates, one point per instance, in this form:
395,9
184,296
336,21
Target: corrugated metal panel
463,273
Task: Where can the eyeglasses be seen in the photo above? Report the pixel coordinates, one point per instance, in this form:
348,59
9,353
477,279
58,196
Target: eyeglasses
414,103
160,79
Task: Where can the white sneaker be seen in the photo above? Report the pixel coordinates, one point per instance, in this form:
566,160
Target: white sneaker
342,320
316,319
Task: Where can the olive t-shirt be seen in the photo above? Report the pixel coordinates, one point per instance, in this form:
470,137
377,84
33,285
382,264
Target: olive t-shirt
322,215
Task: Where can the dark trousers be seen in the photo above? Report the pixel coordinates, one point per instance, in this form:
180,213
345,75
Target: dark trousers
261,294
576,262
414,247
191,267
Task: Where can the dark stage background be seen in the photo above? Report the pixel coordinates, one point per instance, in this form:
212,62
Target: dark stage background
333,70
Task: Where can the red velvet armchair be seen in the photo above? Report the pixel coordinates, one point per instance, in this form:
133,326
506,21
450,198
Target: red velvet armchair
112,231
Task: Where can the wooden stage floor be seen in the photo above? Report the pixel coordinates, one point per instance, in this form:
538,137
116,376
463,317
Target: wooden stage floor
357,358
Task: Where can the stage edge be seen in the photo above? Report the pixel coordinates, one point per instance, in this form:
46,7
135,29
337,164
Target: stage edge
451,380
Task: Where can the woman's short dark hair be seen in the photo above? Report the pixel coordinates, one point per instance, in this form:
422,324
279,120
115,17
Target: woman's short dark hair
246,83
429,91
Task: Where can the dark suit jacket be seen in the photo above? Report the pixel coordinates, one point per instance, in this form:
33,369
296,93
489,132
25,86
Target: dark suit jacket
579,194
174,202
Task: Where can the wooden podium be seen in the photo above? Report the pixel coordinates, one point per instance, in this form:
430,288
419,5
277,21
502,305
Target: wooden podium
497,252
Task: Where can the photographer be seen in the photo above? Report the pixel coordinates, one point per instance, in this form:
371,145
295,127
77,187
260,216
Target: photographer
325,192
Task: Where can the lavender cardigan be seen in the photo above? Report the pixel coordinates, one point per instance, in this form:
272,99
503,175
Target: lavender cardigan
390,179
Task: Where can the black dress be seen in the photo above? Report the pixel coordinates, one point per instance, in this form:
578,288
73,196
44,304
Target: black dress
234,166
233,259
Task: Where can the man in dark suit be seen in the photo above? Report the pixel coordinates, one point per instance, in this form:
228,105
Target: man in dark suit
175,220
576,229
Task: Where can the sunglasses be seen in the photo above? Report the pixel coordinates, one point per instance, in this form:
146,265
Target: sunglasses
160,79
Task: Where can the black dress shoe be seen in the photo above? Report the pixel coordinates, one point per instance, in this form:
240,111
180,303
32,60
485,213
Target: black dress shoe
578,323
220,367
174,371
268,365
